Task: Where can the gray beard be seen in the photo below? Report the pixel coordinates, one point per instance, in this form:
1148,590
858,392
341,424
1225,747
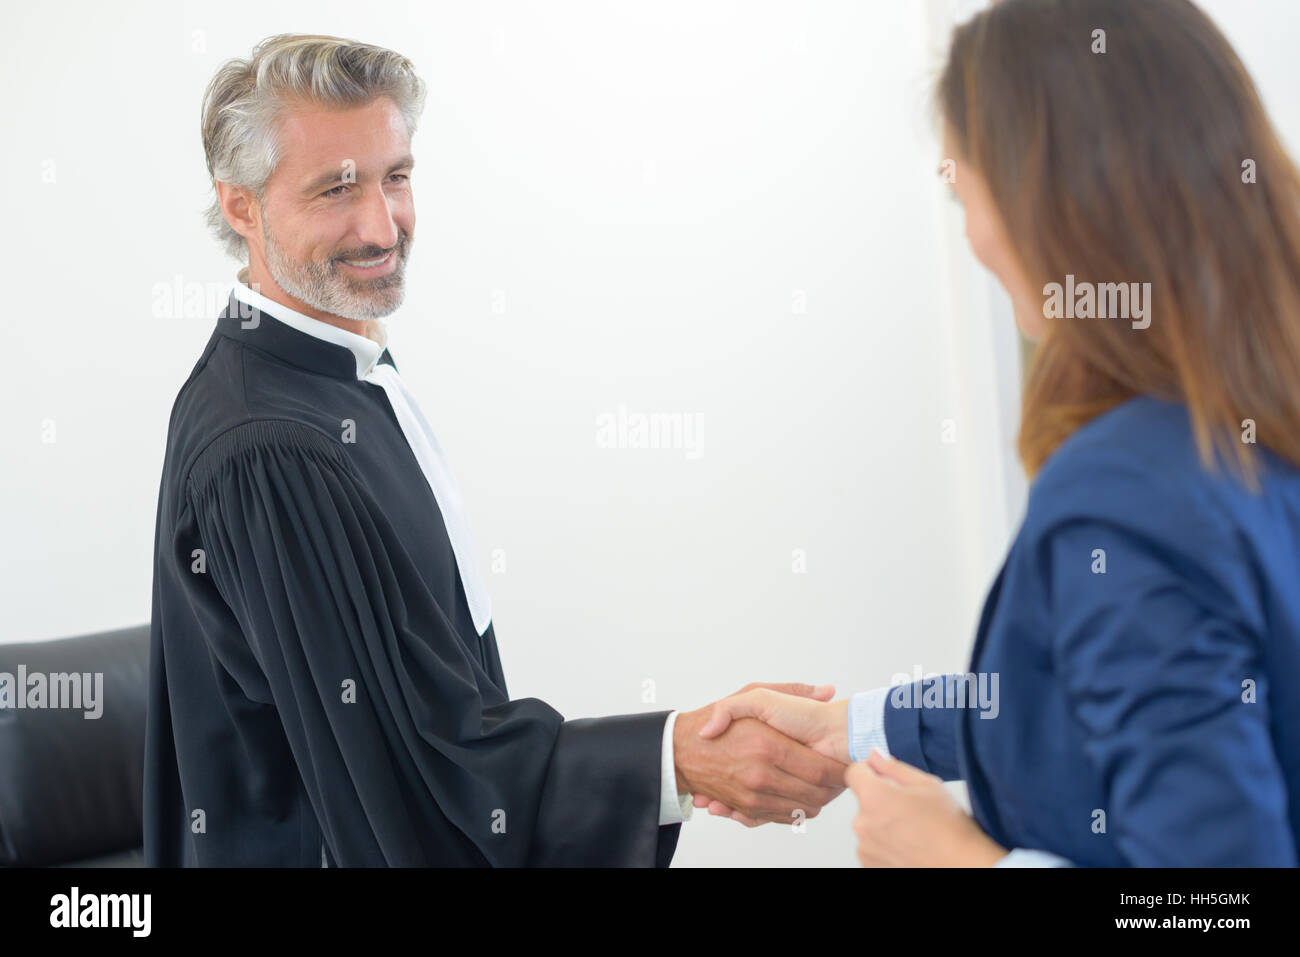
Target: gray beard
320,285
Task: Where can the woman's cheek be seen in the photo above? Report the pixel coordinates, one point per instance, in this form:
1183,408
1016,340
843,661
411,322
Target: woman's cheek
983,244
1029,317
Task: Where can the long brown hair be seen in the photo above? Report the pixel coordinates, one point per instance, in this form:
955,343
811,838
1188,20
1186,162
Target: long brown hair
1133,165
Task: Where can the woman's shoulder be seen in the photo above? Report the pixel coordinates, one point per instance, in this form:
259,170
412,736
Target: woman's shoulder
1137,467
1144,433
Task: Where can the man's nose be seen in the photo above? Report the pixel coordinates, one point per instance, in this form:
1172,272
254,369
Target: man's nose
375,226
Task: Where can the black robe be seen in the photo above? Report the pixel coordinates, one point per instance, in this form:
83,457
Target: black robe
319,695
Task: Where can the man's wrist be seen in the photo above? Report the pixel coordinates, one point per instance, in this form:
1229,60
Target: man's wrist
686,726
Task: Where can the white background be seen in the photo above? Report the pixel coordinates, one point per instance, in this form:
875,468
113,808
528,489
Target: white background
620,204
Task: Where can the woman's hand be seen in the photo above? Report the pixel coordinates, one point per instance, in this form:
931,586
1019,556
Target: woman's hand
906,818
820,724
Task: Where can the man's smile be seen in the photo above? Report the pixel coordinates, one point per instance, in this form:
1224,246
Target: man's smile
372,267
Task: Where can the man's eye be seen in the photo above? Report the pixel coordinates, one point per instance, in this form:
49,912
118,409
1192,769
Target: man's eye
342,187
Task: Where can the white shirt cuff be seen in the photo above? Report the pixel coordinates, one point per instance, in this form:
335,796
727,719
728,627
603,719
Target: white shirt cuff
867,723
1024,857
674,808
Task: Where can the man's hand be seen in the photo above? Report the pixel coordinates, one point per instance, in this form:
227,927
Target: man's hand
761,773
812,720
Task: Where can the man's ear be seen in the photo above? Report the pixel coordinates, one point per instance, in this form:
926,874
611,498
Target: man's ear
241,210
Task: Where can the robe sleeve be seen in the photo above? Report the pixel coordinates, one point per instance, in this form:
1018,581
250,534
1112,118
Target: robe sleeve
409,753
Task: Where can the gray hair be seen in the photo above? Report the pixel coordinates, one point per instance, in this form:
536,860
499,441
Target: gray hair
244,101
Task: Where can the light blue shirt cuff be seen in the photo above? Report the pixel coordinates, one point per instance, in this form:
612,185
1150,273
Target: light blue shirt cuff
867,723
1024,857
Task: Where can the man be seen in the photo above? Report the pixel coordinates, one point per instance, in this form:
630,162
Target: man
326,687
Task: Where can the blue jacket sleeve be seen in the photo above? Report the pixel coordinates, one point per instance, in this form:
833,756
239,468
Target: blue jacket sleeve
924,736
1169,687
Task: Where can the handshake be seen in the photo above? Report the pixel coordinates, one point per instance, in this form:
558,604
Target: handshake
769,753
781,753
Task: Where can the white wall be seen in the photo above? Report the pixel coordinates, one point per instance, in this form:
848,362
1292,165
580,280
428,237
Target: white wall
620,205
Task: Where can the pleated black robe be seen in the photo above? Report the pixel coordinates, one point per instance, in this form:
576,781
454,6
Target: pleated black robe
319,695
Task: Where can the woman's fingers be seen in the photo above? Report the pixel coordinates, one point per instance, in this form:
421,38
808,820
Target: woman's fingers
820,692
724,712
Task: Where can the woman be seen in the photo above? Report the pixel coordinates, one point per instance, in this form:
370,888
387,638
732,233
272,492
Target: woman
1145,626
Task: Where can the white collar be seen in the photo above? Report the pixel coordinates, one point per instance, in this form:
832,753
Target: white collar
366,350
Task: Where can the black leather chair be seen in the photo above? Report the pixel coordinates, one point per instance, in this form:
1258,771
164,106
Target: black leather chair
71,787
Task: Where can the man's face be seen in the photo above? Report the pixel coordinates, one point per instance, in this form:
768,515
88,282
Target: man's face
337,215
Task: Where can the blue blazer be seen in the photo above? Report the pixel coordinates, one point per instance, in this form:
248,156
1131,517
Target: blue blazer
1145,631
